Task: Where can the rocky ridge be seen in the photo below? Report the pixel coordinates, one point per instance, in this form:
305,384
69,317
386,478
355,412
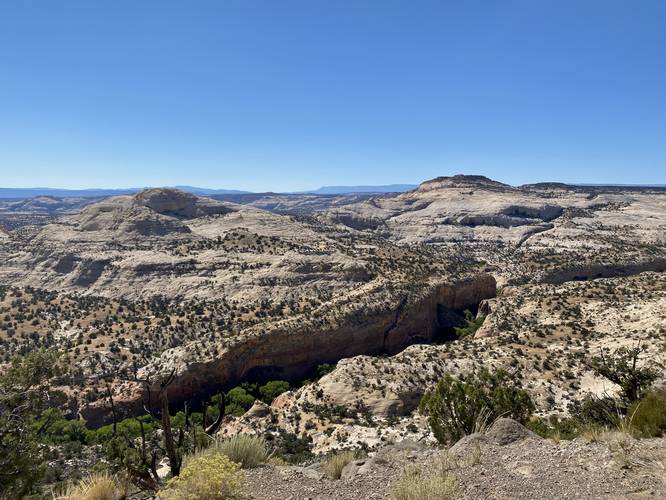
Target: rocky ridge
525,233
506,462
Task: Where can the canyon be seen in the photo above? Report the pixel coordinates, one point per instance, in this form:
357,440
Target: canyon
219,292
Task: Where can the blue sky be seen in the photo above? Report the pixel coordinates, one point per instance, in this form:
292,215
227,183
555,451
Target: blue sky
286,95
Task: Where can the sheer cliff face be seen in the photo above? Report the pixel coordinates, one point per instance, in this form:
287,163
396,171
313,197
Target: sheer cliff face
289,351
527,233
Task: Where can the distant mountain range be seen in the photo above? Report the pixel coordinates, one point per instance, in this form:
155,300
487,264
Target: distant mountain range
389,188
93,193
20,193
17,193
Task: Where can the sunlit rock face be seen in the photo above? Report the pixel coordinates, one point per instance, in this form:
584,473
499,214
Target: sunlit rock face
528,233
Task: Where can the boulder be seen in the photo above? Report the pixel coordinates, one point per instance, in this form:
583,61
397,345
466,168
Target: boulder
259,410
506,431
468,444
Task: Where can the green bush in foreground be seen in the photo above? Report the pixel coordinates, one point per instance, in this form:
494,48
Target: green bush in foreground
25,393
595,416
648,416
456,408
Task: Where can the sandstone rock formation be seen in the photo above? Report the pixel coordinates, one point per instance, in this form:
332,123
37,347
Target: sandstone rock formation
284,294
219,292
530,233
546,333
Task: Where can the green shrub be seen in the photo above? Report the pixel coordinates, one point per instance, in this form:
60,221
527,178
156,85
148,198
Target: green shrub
324,369
129,428
291,447
56,429
556,428
472,324
625,368
593,410
244,449
336,462
456,407
26,390
206,476
239,401
648,416
272,390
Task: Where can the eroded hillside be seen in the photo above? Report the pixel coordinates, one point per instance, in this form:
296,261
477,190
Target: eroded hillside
547,334
218,292
541,232
164,281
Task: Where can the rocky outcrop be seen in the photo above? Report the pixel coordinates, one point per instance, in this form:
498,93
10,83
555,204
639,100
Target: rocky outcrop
291,353
150,213
526,232
177,203
619,269
462,181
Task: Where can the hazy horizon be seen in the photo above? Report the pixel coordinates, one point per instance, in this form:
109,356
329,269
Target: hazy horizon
333,189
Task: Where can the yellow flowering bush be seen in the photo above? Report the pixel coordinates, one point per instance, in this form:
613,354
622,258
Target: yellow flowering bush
210,476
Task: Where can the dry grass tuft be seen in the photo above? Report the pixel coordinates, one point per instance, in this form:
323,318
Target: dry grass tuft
246,450
100,486
437,483
335,463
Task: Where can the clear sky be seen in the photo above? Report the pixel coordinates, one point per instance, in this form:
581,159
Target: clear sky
286,95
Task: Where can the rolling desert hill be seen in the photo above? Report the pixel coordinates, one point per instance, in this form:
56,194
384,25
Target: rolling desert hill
542,232
279,294
164,281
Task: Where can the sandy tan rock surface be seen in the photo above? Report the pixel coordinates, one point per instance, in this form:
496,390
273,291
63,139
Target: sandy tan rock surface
546,333
533,233
221,292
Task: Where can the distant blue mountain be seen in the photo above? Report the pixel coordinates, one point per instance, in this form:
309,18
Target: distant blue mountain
93,193
17,193
389,188
60,193
208,191
623,185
